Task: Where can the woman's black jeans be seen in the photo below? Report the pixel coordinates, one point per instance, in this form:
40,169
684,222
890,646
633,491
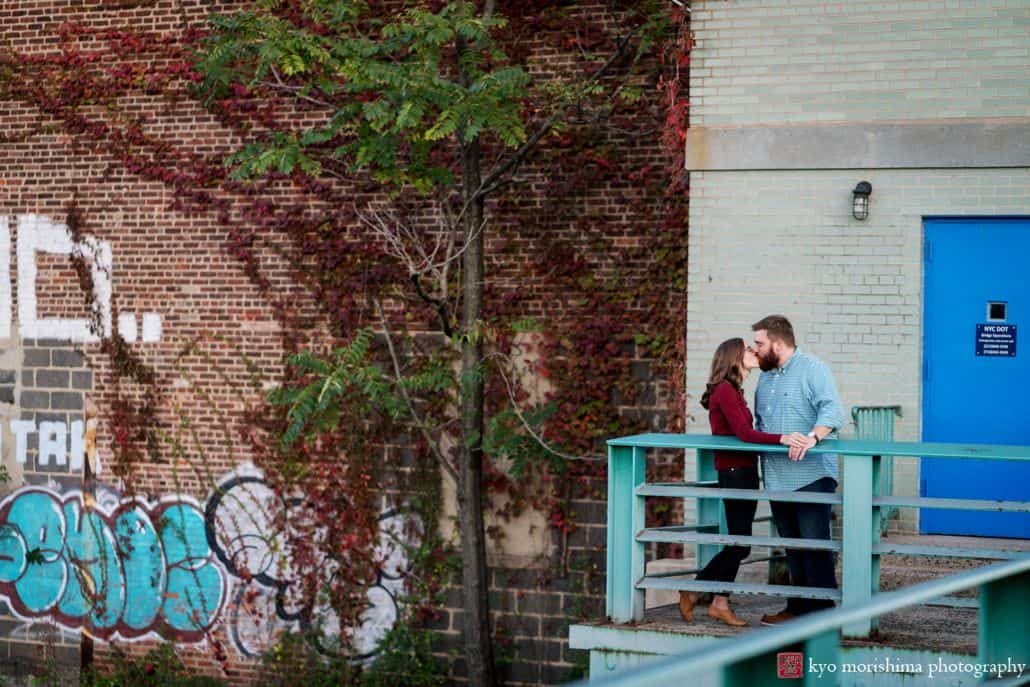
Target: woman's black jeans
739,517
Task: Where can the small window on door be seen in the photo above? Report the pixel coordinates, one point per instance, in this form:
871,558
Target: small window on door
997,311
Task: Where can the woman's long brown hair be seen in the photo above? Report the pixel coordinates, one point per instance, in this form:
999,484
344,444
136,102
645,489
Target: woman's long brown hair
725,367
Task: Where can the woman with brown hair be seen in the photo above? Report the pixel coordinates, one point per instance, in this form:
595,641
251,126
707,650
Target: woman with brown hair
729,415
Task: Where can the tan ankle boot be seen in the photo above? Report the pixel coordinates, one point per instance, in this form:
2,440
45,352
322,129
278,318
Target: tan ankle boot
726,615
687,606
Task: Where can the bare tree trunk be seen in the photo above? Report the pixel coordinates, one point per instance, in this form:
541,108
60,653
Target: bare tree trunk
474,573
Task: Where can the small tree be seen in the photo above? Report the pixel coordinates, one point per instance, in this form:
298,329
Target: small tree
400,96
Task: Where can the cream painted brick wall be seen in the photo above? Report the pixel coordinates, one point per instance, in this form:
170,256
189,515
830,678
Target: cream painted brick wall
785,242
783,61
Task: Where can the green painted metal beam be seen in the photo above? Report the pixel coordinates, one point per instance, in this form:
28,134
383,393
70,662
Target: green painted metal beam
707,509
959,504
757,671
879,517
1013,681
701,527
953,602
661,534
844,446
859,532
948,551
823,649
625,559
742,494
1004,631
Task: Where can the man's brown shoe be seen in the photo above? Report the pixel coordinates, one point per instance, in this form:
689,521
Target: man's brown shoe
778,618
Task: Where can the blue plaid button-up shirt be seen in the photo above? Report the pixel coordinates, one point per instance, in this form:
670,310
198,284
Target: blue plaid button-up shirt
796,398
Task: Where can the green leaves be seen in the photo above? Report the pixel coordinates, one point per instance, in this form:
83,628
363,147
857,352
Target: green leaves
279,153
347,377
351,379
506,437
391,89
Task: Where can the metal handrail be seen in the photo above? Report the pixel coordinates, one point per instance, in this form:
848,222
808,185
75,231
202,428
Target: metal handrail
1004,586
851,447
861,509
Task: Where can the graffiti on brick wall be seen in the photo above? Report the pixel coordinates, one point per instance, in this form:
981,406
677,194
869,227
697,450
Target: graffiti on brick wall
37,234
125,571
52,442
130,568
242,517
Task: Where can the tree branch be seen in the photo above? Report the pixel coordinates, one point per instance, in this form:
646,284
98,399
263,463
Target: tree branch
296,90
525,423
441,307
493,180
430,440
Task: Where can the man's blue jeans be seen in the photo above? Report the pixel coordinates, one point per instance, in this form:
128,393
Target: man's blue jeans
807,568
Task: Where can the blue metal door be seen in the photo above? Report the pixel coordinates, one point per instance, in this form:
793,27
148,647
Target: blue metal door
976,376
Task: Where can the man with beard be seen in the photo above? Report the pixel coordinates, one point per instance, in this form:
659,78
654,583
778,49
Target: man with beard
796,393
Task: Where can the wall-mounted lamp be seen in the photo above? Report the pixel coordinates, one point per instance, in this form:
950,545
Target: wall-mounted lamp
860,203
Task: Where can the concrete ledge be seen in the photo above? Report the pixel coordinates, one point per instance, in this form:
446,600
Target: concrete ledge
619,638
911,144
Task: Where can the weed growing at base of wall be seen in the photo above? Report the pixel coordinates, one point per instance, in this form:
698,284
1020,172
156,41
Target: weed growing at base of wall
160,667
405,657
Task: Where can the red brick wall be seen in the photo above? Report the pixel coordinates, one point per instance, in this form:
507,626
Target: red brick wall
173,264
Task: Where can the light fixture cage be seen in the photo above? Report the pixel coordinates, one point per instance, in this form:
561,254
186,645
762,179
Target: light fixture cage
860,200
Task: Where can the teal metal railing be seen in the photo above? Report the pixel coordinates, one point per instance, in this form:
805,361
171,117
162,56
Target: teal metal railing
751,659
860,498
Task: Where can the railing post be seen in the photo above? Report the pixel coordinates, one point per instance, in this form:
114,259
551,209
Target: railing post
857,544
766,670
626,468
822,649
709,511
1005,620
879,515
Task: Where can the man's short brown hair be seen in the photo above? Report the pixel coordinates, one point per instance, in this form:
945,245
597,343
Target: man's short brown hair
778,327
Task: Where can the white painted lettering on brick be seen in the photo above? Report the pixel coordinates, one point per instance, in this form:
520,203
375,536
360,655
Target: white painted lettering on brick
78,451
53,441
151,327
39,234
20,429
127,327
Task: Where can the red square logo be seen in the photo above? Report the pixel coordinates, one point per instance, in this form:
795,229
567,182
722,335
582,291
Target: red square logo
790,665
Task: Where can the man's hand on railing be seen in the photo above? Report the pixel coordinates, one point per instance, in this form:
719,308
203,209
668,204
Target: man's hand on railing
799,445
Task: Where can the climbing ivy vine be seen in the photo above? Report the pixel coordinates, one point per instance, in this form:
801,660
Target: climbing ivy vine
368,146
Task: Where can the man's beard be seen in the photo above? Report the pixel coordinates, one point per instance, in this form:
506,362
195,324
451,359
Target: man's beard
768,361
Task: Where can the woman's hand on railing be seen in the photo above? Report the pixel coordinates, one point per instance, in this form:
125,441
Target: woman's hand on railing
799,445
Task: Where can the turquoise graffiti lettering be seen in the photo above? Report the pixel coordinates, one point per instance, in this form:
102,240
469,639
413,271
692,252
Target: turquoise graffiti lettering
122,568
128,572
191,575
